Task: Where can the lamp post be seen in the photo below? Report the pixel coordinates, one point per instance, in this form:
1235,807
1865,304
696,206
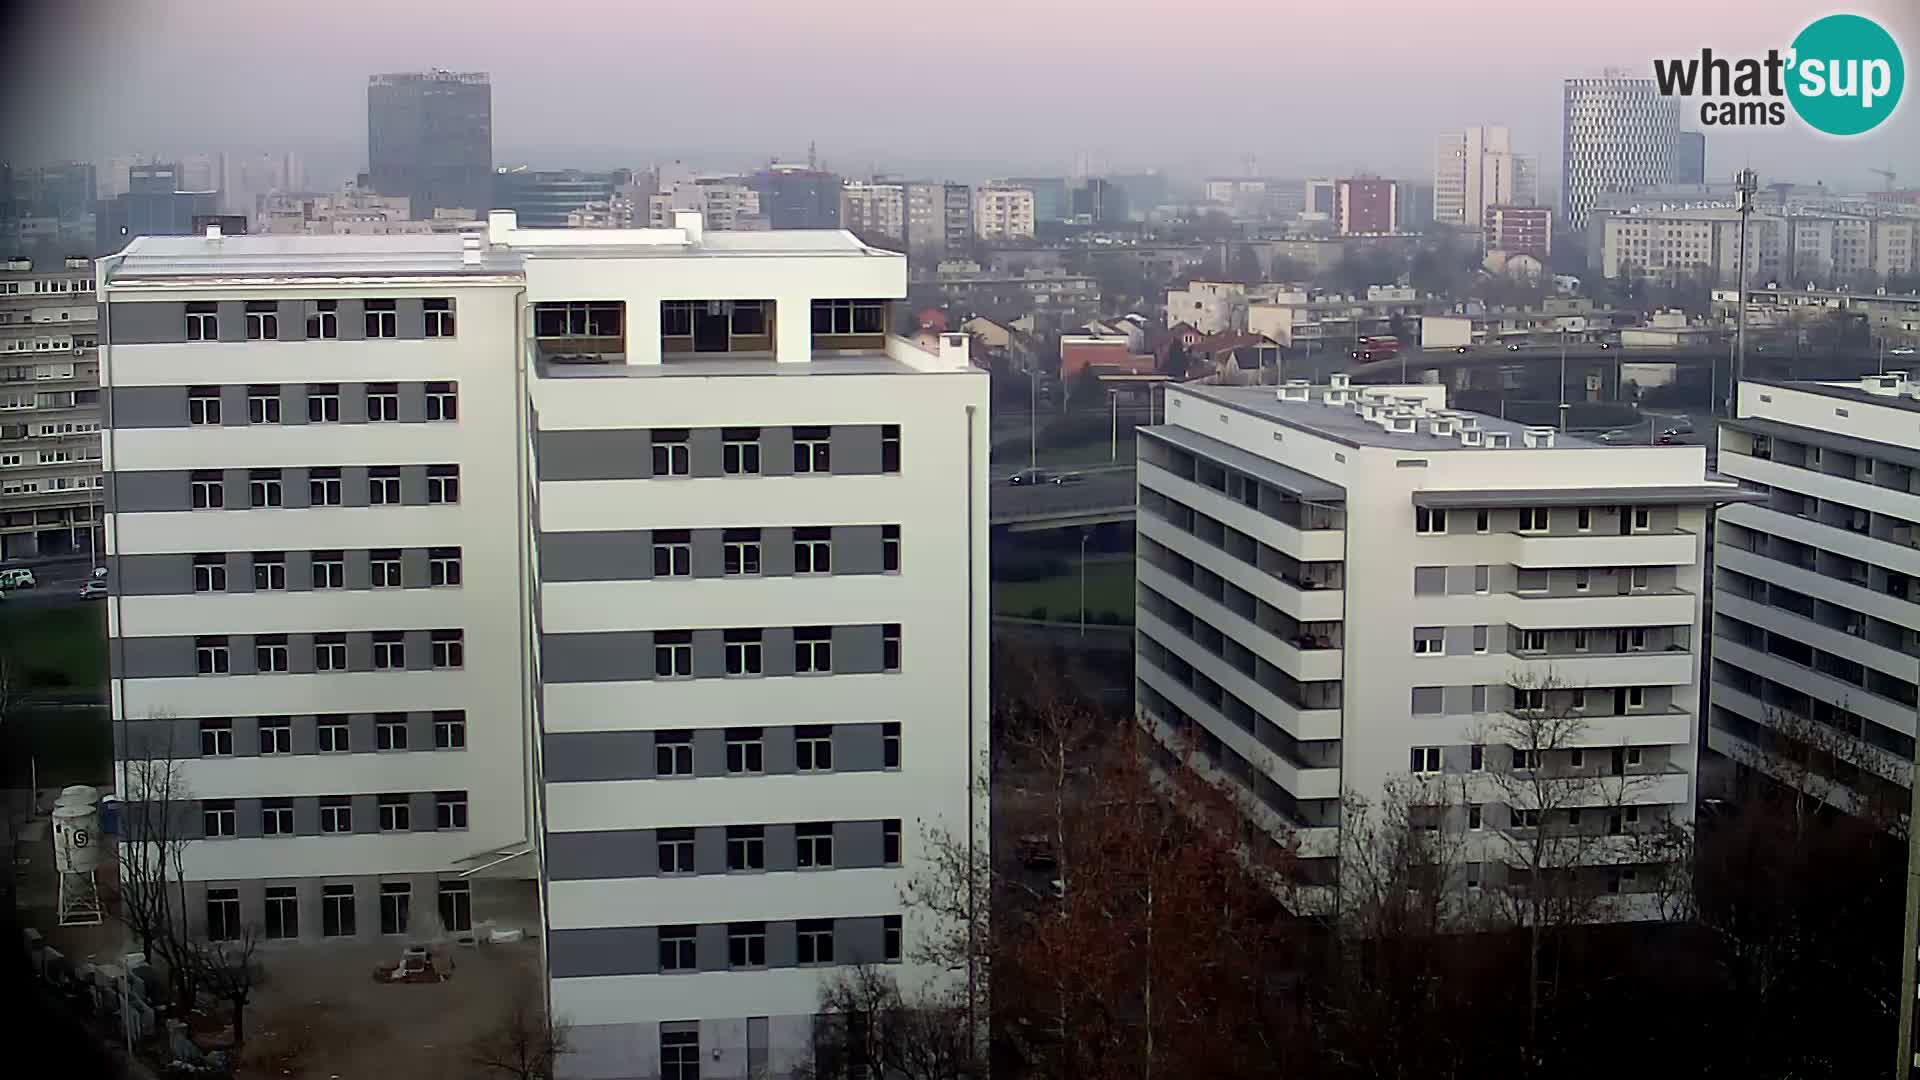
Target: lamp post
1113,396
1085,533
1033,414
1563,380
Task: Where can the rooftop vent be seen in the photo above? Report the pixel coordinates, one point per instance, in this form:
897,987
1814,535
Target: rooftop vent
1536,438
1472,437
1295,390
1335,396
1499,440
1402,424
470,249
1412,403
1440,425
77,262
19,262
1887,385
213,230
1340,381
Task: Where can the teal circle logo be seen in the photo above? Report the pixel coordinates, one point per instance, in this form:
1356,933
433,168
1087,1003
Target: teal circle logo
1847,74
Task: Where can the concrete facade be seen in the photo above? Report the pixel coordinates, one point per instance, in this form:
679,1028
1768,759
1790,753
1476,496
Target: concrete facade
50,474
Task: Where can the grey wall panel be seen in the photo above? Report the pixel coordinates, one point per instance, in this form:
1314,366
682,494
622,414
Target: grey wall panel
709,553
410,323
352,316
857,748
776,451
366,808
777,752
360,734
857,844
233,320
776,551
703,452
293,320
782,944
419,650
710,850
154,575
622,454
580,856
413,485
156,657
239,572
154,491
610,657
306,735
583,756
709,654
596,556
709,752
306,815
776,650
413,402
233,406
413,568
294,492
293,401
856,449
299,571
353,401
300,654
422,810
618,950
856,549
353,485
359,651
246,736
858,940
146,406
146,323
857,649
710,947
782,853
359,569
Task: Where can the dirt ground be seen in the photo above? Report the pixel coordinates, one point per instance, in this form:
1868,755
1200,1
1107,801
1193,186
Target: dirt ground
322,1017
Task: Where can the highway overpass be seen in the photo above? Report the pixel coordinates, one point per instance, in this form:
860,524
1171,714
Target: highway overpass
1097,499
1758,358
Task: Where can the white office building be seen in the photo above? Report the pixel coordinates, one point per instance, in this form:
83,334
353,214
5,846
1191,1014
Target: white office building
1816,602
1618,134
1476,168
1340,586
627,586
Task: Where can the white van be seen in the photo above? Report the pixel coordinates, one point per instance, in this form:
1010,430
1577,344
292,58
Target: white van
16,579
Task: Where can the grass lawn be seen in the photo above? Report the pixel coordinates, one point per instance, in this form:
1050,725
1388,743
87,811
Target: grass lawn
56,747
1109,589
55,648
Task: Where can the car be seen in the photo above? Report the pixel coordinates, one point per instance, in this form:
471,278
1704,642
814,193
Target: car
93,590
1029,476
1461,349
1901,350
1069,478
1606,345
99,573
1670,439
17,578
1513,348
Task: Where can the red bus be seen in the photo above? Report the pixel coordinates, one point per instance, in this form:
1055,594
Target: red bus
1376,348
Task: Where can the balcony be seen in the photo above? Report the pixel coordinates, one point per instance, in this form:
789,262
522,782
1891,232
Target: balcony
1301,780
1307,722
1304,544
1668,667
1539,611
1886,712
1811,483
1838,641
1890,606
1585,550
1306,604
1314,663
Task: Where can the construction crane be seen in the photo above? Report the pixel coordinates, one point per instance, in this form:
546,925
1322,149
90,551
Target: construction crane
1886,174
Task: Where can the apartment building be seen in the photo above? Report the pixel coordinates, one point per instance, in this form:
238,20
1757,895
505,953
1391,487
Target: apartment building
1475,169
1342,586
939,218
625,585
876,209
1799,247
1816,603
1618,133
50,477
1002,214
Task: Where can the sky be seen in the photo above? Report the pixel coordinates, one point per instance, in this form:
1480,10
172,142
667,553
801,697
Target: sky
966,90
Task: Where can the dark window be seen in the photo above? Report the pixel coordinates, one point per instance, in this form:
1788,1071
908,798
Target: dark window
746,847
263,404
439,312
890,448
211,656
815,941
673,654
679,1055
396,813
263,488
812,649
335,736
813,550
383,485
324,487
330,652
209,490
813,747
209,573
390,731
270,571
449,648
203,405
890,745
740,451
450,810
749,318
670,452
396,906
443,484
383,403
890,647
673,753
217,818
449,730
814,845
443,401
677,948
323,403
276,737
891,934
216,738
276,817
203,321
812,450
383,318
283,912
263,320
747,945
890,548
675,848
890,841
336,814
743,652
443,566
740,552
223,914
324,320
456,906
745,751
336,910
384,568
672,553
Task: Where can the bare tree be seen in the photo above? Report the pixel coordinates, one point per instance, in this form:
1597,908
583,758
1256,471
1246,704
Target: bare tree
865,1027
150,889
1822,768
230,970
524,1044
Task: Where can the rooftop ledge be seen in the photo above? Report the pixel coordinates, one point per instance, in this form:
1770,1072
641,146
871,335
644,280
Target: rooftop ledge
947,354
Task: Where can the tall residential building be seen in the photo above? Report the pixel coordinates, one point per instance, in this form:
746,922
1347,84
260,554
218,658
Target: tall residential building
626,585
1322,200
1051,203
1003,213
1367,206
50,478
430,138
874,209
1345,586
1690,157
798,196
1618,134
1816,599
1476,168
939,218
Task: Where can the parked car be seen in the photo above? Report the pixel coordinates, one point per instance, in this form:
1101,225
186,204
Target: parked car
93,590
1901,350
1069,478
1030,476
17,578
1513,348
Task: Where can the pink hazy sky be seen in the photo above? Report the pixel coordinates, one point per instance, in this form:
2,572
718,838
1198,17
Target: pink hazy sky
1193,87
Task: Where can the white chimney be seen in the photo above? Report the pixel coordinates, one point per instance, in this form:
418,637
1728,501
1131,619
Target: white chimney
470,249
691,222
1295,390
1339,380
213,230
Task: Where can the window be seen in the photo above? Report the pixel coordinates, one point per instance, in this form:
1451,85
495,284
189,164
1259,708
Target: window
270,571
890,745
1424,759
562,320
449,649
672,553
890,448
439,312
1525,760
673,654
323,403
1577,701
390,731
336,911
323,322
209,573
1526,819
1583,519
1642,519
1428,641
814,845
1636,697
812,649
1577,759
209,493
740,552
383,319
329,570
443,484
396,906
203,406
670,452
383,568
1482,520
1634,640
450,730
747,945
449,810
263,404
816,941
1637,579
745,752
217,818
283,912
1530,581
890,549
890,841
443,566
813,550
1529,699
333,734
675,850
210,656
890,647
456,906
813,748
276,737
203,321
383,403
1582,640
743,652
673,753
263,488
336,814
1474,816
330,652
812,450
396,813
746,847
891,939
389,650
1582,580
1428,521
223,914
323,487
1477,757
679,1055
270,654
836,317
1533,519
740,451
1533,641
443,401
216,738
1633,758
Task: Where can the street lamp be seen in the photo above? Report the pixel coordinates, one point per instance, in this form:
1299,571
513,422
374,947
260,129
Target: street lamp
1113,396
1563,380
1085,533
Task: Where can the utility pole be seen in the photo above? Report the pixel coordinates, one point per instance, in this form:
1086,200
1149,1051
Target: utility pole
1033,414
1746,183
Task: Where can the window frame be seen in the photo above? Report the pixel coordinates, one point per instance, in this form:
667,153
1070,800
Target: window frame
673,755
276,735
443,402
813,650
672,654
813,748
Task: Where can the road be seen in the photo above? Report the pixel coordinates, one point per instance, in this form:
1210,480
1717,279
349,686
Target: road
1483,356
1102,496
55,584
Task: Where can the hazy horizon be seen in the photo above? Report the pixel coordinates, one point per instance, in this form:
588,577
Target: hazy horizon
1128,85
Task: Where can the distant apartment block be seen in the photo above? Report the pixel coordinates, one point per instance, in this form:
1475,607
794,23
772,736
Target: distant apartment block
1520,230
1825,249
797,196
430,138
1367,206
874,209
725,203
1342,587
542,199
939,218
1002,214
1816,600
1477,168
154,204
50,471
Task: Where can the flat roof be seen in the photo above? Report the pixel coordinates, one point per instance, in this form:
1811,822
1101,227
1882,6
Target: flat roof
631,244
875,363
1291,481
1710,491
175,258
1342,425
1846,393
